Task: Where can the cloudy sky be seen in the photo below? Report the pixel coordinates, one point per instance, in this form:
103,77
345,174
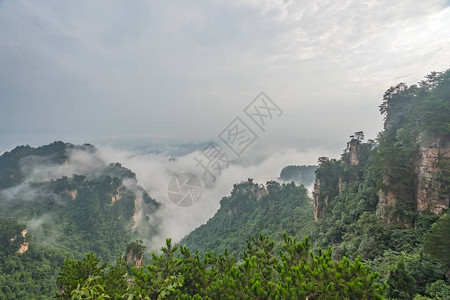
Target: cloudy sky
180,71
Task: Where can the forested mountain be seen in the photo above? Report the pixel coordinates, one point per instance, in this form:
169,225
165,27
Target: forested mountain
382,207
379,201
46,216
252,209
299,174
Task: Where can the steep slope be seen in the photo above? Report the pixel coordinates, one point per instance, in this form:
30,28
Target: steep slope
299,174
252,209
62,201
66,193
380,199
410,165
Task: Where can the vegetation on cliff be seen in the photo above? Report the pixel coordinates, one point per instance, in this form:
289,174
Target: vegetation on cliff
47,216
252,209
382,207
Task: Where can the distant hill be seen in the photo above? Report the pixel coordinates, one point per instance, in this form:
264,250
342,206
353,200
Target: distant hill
252,209
299,174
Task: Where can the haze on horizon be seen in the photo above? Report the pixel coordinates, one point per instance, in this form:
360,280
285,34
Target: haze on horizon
143,73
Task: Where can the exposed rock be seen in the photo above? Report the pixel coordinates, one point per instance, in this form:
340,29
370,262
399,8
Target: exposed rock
136,258
72,193
23,248
431,153
385,200
353,153
255,190
340,184
319,201
116,196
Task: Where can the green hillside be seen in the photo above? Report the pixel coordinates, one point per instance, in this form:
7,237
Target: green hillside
380,211
252,209
64,217
378,202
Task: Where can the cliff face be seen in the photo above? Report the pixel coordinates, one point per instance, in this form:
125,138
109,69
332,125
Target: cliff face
333,175
408,173
430,161
24,245
320,201
353,149
432,155
136,258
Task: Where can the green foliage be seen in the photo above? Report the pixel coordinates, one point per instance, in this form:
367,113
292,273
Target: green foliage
385,234
252,209
10,235
328,174
438,290
401,283
73,215
90,290
136,248
437,242
300,174
298,273
88,278
30,275
66,217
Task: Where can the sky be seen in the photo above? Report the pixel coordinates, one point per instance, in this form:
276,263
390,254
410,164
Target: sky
158,72
135,76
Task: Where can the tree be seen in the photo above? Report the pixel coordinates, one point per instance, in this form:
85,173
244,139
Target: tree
359,136
89,277
437,242
401,284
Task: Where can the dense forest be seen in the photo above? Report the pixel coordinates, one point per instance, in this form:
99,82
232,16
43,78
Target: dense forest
384,200
303,175
46,218
377,226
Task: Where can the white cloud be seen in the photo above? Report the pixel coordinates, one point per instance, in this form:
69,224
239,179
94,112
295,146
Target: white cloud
88,71
155,171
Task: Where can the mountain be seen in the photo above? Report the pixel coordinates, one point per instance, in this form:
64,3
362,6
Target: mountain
62,201
382,207
252,209
383,200
304,175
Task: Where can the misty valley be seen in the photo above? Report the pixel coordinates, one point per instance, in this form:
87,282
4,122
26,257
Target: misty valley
77,223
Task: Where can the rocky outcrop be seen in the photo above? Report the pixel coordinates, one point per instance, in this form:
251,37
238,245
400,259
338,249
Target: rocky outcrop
431,159
24,244
340,184
72,193
116,196
135,254
23,248
255,190
319,201
432,156
352,149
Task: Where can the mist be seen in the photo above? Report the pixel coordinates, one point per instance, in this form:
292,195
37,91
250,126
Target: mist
154,171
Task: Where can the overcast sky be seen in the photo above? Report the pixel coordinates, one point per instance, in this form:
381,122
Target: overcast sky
181,71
